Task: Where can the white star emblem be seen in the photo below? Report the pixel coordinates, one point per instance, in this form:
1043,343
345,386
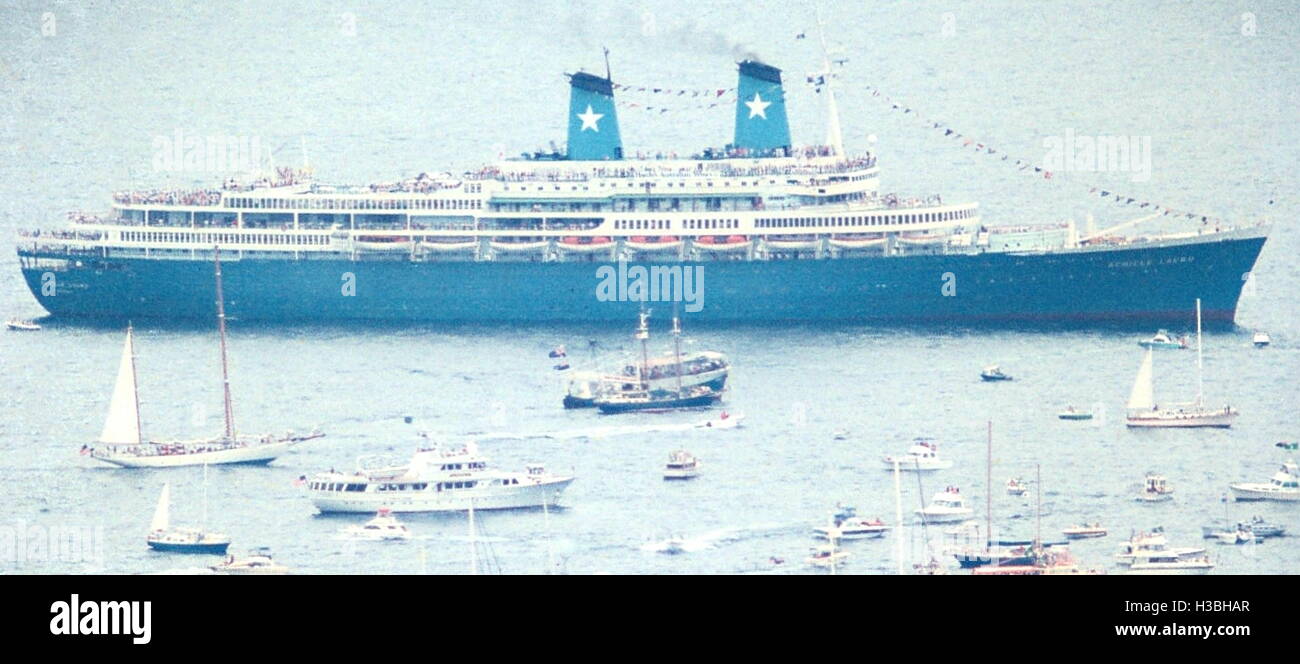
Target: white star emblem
758,107
589,120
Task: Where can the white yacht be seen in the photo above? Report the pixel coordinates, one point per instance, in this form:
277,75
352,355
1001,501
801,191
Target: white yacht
1144,412
1261,339
846,524
682,465
947,506
922,455
437,479
1171,564
384,526
1284,486
1145,547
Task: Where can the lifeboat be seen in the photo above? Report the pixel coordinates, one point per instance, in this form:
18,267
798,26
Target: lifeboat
720,243
922,239
857,242
519,246
577,243
382,243
791,243
448,244
654,243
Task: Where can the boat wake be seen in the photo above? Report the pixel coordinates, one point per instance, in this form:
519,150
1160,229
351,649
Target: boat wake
708,539
730,422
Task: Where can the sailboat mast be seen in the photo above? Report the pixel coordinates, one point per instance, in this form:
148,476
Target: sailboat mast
988,489
898,518
643,333
221,328
1038,509
677,350
135,387
473,542
1200,379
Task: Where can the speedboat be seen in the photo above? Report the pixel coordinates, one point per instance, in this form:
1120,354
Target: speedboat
922,455
724,421
846,524
1256,525
258,561
1155,489
1261,339
993,373
1071,414
1284,486
1085,531
1163,340
384,526
682,465
1016,487
22,325
947,506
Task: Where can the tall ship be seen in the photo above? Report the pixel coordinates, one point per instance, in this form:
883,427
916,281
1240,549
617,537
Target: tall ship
760,229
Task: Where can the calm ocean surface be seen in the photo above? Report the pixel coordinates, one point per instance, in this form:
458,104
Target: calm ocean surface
445,86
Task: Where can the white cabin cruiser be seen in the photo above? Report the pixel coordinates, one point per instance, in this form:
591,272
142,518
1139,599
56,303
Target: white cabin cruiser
1261,339
384,526
922,455
1155,489
258,562
682,465
1284,486
1143,547
846,524
437,479
947,506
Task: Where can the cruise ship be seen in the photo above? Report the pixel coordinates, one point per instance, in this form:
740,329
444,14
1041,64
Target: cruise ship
761,229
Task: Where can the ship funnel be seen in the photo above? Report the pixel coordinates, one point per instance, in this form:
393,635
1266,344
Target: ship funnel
761,124
593,124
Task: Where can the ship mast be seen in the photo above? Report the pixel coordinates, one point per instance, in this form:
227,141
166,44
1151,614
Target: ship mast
221,328
643,334
988,490
834,137
1200,378
677,348
135,387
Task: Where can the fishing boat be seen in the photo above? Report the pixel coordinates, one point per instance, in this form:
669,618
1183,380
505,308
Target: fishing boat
643,396
1261,339
1015,487
846,524
165,537
436,479
682,465
22,325
1143,412
947,506
1284,486
1085,531
384,526
257,562
122,444
993,373
1155,489
1071,414
1163,340
922,455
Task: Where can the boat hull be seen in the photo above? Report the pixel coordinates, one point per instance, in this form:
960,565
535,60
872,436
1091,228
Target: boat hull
260,454
1078,285
488,498
1186,421
1247,492
615,407
189,547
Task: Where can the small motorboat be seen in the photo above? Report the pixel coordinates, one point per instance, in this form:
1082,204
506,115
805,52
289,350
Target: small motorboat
1155,489
384,526
1261,339
1085,531
846,524
682,465
1017,487
22,325
922,455
1071,414
1163,340
256,562
993,373
724,421
947,506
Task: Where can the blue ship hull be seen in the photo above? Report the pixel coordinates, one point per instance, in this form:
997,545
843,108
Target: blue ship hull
175,547
1149,284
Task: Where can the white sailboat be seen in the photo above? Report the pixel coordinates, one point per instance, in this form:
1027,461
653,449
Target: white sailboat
164,537
122,444
1143,412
